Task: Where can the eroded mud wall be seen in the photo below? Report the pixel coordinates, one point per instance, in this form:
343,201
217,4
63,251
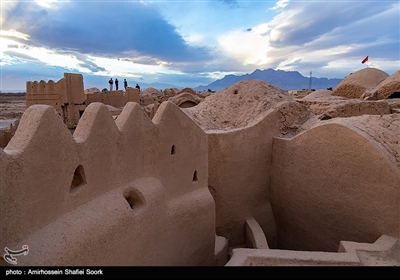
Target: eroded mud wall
126,192
336,182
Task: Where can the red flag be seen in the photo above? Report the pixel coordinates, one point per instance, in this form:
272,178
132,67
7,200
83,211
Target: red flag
364,60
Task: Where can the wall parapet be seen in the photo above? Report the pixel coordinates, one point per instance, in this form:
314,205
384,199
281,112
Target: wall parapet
66,96
115,98
70,100
45,167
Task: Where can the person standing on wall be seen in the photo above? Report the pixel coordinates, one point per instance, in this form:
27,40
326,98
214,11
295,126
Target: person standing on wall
116,84
125,84
138,87
111,83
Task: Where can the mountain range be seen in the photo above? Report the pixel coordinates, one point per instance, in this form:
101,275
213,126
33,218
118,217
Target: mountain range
286,80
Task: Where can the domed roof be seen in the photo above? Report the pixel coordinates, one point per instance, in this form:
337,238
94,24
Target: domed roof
386,88
356,84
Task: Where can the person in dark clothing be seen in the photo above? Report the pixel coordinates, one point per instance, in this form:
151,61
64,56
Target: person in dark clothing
116,84
125,84
111,83
138,87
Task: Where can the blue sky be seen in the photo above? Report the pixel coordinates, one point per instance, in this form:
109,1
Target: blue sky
192,43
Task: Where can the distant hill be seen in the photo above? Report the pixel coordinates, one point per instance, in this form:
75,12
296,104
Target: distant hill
290,80
158,86
13,92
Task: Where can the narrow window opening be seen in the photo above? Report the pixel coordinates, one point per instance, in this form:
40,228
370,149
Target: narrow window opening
195,176
173,150
78,180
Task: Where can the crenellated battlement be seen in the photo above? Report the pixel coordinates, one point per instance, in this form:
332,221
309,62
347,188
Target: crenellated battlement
45,93
66,96
52,176
69,99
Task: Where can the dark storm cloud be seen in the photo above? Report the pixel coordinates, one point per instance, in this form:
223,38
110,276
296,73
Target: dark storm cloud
109,29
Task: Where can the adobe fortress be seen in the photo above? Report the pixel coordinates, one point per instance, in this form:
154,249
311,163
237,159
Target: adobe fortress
248,175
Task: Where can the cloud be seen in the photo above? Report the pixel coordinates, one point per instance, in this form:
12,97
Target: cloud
83,60
298,38
46,3
196,41
280,4
368,32
33,71
249,47
14,35
139,28
302,22
318,38
16,54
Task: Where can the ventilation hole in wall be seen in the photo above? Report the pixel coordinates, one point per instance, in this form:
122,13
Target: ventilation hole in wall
173,150
133,198
325,117
195,176
79,180
395,94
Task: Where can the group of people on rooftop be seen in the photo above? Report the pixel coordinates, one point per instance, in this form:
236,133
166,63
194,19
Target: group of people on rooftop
111,82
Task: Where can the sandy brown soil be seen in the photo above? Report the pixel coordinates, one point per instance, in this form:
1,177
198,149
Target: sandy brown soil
12,106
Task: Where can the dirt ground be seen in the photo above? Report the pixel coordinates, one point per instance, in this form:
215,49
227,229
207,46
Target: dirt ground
12,106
